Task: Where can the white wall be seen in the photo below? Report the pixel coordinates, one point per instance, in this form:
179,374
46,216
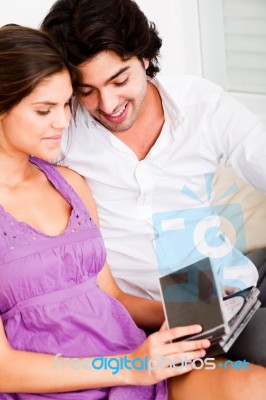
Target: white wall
176,21
178,25
23,12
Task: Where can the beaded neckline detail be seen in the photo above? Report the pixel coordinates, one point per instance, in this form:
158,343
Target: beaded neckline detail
78,216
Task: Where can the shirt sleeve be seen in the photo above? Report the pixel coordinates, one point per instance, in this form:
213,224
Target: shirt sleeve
240,137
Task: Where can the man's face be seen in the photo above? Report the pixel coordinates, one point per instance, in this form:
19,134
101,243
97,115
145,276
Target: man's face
113,90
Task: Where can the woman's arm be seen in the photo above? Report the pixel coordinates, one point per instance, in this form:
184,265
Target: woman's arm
147,313
27,372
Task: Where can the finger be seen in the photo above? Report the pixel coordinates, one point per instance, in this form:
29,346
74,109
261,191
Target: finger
179,359
184,346
167,335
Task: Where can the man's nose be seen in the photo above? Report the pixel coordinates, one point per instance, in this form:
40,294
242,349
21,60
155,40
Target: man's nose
107,102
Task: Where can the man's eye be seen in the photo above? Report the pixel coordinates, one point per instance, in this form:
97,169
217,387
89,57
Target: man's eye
121,83
86,94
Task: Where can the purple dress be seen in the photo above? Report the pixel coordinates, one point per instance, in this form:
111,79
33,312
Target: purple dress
50,302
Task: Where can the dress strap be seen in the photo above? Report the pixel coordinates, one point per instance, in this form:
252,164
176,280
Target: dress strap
17,237
63,187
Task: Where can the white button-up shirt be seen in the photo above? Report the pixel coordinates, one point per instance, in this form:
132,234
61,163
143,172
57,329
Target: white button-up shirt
156,214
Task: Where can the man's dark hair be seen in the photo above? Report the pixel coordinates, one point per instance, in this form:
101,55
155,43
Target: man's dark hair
86,27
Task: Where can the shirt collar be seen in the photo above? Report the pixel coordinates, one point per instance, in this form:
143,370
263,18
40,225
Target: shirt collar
171,110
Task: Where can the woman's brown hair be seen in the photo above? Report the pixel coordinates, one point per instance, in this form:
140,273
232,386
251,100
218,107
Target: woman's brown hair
27,57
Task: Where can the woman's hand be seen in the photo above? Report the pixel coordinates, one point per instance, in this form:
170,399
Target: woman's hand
164,358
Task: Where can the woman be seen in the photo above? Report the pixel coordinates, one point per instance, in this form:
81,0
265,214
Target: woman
52,299
63,334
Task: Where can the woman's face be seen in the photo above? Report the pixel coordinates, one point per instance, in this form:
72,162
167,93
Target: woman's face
35,126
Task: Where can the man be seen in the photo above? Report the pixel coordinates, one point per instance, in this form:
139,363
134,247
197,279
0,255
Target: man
149,148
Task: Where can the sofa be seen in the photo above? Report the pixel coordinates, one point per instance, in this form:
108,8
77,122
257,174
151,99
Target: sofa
242,210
